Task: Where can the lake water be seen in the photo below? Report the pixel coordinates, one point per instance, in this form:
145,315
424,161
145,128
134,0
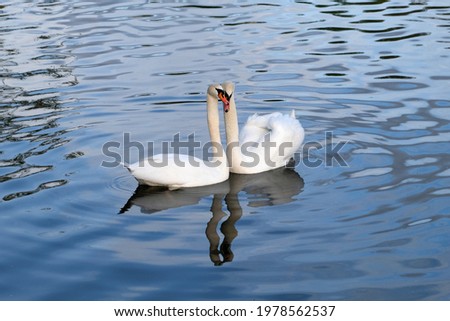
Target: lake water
374,75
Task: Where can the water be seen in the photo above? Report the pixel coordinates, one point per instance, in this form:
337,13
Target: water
77,75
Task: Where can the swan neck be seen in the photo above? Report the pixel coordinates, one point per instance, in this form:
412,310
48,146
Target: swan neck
213,126
231,123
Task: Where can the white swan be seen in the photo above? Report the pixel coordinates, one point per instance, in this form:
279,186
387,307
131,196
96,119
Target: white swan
265,142
178,170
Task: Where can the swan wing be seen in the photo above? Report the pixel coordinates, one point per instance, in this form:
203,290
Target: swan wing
287,134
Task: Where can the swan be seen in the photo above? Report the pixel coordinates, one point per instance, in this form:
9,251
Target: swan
176,171
265,143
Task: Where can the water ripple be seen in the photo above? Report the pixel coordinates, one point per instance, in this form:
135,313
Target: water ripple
78,75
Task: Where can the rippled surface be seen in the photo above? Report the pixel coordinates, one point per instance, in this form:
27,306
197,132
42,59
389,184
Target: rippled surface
76,75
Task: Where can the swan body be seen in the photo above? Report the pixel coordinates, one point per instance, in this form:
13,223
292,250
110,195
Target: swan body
266,142
178,170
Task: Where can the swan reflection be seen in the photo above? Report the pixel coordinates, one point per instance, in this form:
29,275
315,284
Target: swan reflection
270,188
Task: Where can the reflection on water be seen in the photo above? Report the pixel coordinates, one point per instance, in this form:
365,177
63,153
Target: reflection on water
265,189
34,70
76,75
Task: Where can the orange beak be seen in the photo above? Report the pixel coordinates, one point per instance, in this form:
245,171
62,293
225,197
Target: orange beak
225,100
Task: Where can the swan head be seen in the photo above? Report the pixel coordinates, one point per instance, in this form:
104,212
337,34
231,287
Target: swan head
228,88
218,92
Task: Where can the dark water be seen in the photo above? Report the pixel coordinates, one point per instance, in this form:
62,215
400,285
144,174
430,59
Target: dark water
77,75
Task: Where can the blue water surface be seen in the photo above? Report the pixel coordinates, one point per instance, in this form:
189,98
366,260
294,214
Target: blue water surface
365,215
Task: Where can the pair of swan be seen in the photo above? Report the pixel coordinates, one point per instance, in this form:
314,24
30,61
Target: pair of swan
266,142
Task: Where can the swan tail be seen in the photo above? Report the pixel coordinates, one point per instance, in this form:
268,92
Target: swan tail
293,114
